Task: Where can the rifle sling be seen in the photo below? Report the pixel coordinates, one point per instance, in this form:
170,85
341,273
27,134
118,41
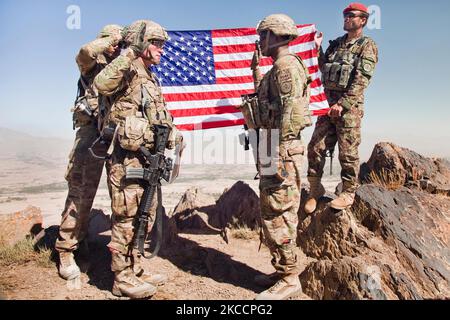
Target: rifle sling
158,222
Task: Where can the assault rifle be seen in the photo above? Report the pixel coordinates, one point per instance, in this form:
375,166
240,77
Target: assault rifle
156,167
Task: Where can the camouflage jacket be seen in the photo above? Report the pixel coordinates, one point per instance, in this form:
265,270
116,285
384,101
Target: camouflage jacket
360,56
283,96
136,93
91,60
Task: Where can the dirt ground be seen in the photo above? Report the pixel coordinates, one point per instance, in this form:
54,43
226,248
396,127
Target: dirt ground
200,266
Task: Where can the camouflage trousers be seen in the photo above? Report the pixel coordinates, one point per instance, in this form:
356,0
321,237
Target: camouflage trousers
126,196
280,202
346,132
83,176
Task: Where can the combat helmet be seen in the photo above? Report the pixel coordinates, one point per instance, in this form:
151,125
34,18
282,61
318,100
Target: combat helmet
153,31
109,30
279,24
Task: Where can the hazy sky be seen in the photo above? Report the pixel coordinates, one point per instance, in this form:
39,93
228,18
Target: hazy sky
406,102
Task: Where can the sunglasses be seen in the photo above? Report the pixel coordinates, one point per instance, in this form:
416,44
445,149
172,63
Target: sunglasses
352,15
157,43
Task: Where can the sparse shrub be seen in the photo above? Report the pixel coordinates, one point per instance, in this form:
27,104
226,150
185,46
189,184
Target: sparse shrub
23,252
241,231
386,179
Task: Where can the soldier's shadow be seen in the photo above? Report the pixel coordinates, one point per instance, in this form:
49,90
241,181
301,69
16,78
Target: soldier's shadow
200,260
185,254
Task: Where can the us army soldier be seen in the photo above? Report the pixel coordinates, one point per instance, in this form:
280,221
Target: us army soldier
282,108
84,171
138,105
347,68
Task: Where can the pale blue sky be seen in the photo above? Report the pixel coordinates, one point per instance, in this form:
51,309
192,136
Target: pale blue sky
406,102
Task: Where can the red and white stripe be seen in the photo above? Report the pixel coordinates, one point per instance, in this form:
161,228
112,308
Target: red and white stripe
214,106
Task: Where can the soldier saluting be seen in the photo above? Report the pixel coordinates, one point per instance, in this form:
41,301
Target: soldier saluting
347,67
138,105
84,171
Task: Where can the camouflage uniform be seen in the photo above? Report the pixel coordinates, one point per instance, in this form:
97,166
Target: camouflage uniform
347,68
139,103
285,94
283,98
84,171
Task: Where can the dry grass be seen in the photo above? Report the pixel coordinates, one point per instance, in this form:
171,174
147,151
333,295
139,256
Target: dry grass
23,252
386,179
241,231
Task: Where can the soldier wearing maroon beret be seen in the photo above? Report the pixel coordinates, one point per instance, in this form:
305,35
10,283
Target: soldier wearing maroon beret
347,67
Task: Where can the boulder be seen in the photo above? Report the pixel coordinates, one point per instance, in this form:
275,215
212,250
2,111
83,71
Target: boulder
16,226
391,244
407,168
237,206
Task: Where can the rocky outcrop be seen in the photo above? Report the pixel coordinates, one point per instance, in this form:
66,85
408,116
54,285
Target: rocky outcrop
393,243
408,168
18,225
193,210
237,206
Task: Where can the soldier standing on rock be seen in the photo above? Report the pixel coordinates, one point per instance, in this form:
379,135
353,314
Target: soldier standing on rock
84,171
282,110
138,105
347,68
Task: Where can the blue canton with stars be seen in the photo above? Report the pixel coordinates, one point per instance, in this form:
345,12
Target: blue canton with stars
187,59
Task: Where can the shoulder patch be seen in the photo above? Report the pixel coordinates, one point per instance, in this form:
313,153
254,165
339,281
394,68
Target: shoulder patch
367,67
285,81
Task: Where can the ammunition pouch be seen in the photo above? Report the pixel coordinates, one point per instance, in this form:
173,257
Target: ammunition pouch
336,76
134,133
250,110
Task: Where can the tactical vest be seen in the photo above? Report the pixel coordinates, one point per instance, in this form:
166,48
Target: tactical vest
86,105
339,72
270,105
140,106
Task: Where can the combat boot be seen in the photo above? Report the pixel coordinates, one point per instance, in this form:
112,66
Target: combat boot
68,269
287,287
267,280
316,190
155,279
344,201
127,284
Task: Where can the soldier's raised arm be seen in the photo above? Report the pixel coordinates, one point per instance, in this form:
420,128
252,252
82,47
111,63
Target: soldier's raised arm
113,78
363,74
87,56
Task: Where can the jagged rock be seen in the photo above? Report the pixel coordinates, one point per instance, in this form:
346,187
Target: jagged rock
18,225
238,206
417,224
408,167
389,245
193,209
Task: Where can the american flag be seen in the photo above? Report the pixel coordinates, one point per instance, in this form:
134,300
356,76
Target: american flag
204,73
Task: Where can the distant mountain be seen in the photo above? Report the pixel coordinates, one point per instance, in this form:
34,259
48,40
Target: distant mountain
18,144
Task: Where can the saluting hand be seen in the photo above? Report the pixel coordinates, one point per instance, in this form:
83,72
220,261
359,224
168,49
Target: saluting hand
256,57
318,38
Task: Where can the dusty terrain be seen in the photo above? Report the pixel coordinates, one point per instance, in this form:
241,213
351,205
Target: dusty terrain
38,179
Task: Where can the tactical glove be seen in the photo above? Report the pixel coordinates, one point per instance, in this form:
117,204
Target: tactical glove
256,57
